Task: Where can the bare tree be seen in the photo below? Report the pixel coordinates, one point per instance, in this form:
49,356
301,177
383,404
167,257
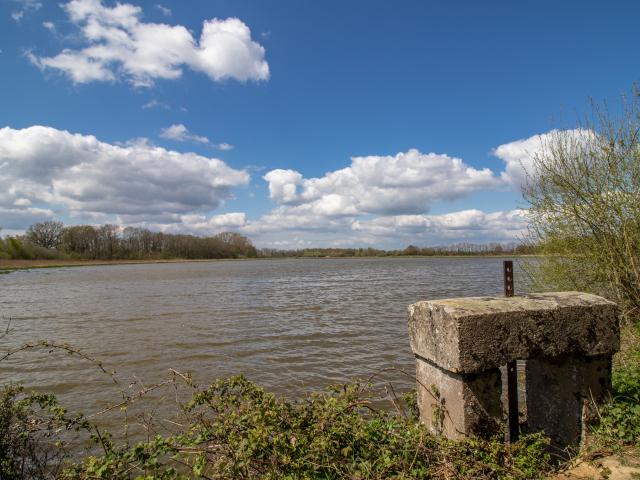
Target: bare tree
46,234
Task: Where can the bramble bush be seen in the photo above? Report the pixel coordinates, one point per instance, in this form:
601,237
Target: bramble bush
234,429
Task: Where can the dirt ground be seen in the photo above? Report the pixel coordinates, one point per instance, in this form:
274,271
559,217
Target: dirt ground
612,467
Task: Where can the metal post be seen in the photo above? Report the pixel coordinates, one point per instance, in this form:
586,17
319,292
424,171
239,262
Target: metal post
508,278
512,367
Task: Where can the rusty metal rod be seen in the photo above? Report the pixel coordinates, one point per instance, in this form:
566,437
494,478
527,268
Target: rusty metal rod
512,367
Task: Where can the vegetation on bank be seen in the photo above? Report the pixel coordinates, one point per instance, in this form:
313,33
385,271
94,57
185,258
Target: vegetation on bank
51,240
456,249
618,428
234,429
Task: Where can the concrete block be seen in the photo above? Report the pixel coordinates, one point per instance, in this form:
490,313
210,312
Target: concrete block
476,334
561,394
457,405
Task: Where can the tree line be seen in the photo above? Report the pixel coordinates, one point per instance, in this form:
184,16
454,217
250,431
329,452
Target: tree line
54,240
458,249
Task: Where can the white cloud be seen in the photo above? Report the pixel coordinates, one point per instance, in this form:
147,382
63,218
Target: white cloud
377,200
200,224
384,201
49,26
155,104
25,7
121,46
180,133
519,155
165,10
80,68
395,231
87,177
18,218
283,185
408,182
471,225
194,224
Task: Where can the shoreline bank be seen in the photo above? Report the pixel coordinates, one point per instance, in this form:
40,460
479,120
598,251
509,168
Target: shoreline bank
7,266
12,265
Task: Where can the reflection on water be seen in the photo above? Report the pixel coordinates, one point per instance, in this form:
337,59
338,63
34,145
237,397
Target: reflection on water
291,325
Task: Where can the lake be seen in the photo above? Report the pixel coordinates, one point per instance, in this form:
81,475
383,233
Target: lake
291,325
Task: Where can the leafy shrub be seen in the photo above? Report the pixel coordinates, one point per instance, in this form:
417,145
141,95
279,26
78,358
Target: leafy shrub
234,429
16,249
30,441
620,422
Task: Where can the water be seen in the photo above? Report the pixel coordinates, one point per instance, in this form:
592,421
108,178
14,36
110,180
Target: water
292,325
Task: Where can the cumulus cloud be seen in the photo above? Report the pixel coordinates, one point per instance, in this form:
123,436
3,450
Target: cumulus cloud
283,185
121,46
79,173
374,199
408,182
519,155
193,224
180,133
385,200
204,225
462,225
280,227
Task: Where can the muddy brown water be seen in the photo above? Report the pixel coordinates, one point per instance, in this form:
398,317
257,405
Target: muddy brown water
292,325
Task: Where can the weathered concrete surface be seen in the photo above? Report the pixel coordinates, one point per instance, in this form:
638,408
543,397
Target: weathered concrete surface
475,334
456,405
561,393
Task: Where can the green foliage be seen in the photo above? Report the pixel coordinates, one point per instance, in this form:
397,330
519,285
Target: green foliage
585,215
30,442
52,240
620,418
235,429
17,248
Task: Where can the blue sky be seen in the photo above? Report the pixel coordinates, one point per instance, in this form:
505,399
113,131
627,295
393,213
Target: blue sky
297,123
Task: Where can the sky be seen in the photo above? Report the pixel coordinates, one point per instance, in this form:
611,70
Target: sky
297,123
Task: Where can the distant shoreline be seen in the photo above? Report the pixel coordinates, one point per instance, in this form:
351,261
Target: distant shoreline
10,265
7,266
